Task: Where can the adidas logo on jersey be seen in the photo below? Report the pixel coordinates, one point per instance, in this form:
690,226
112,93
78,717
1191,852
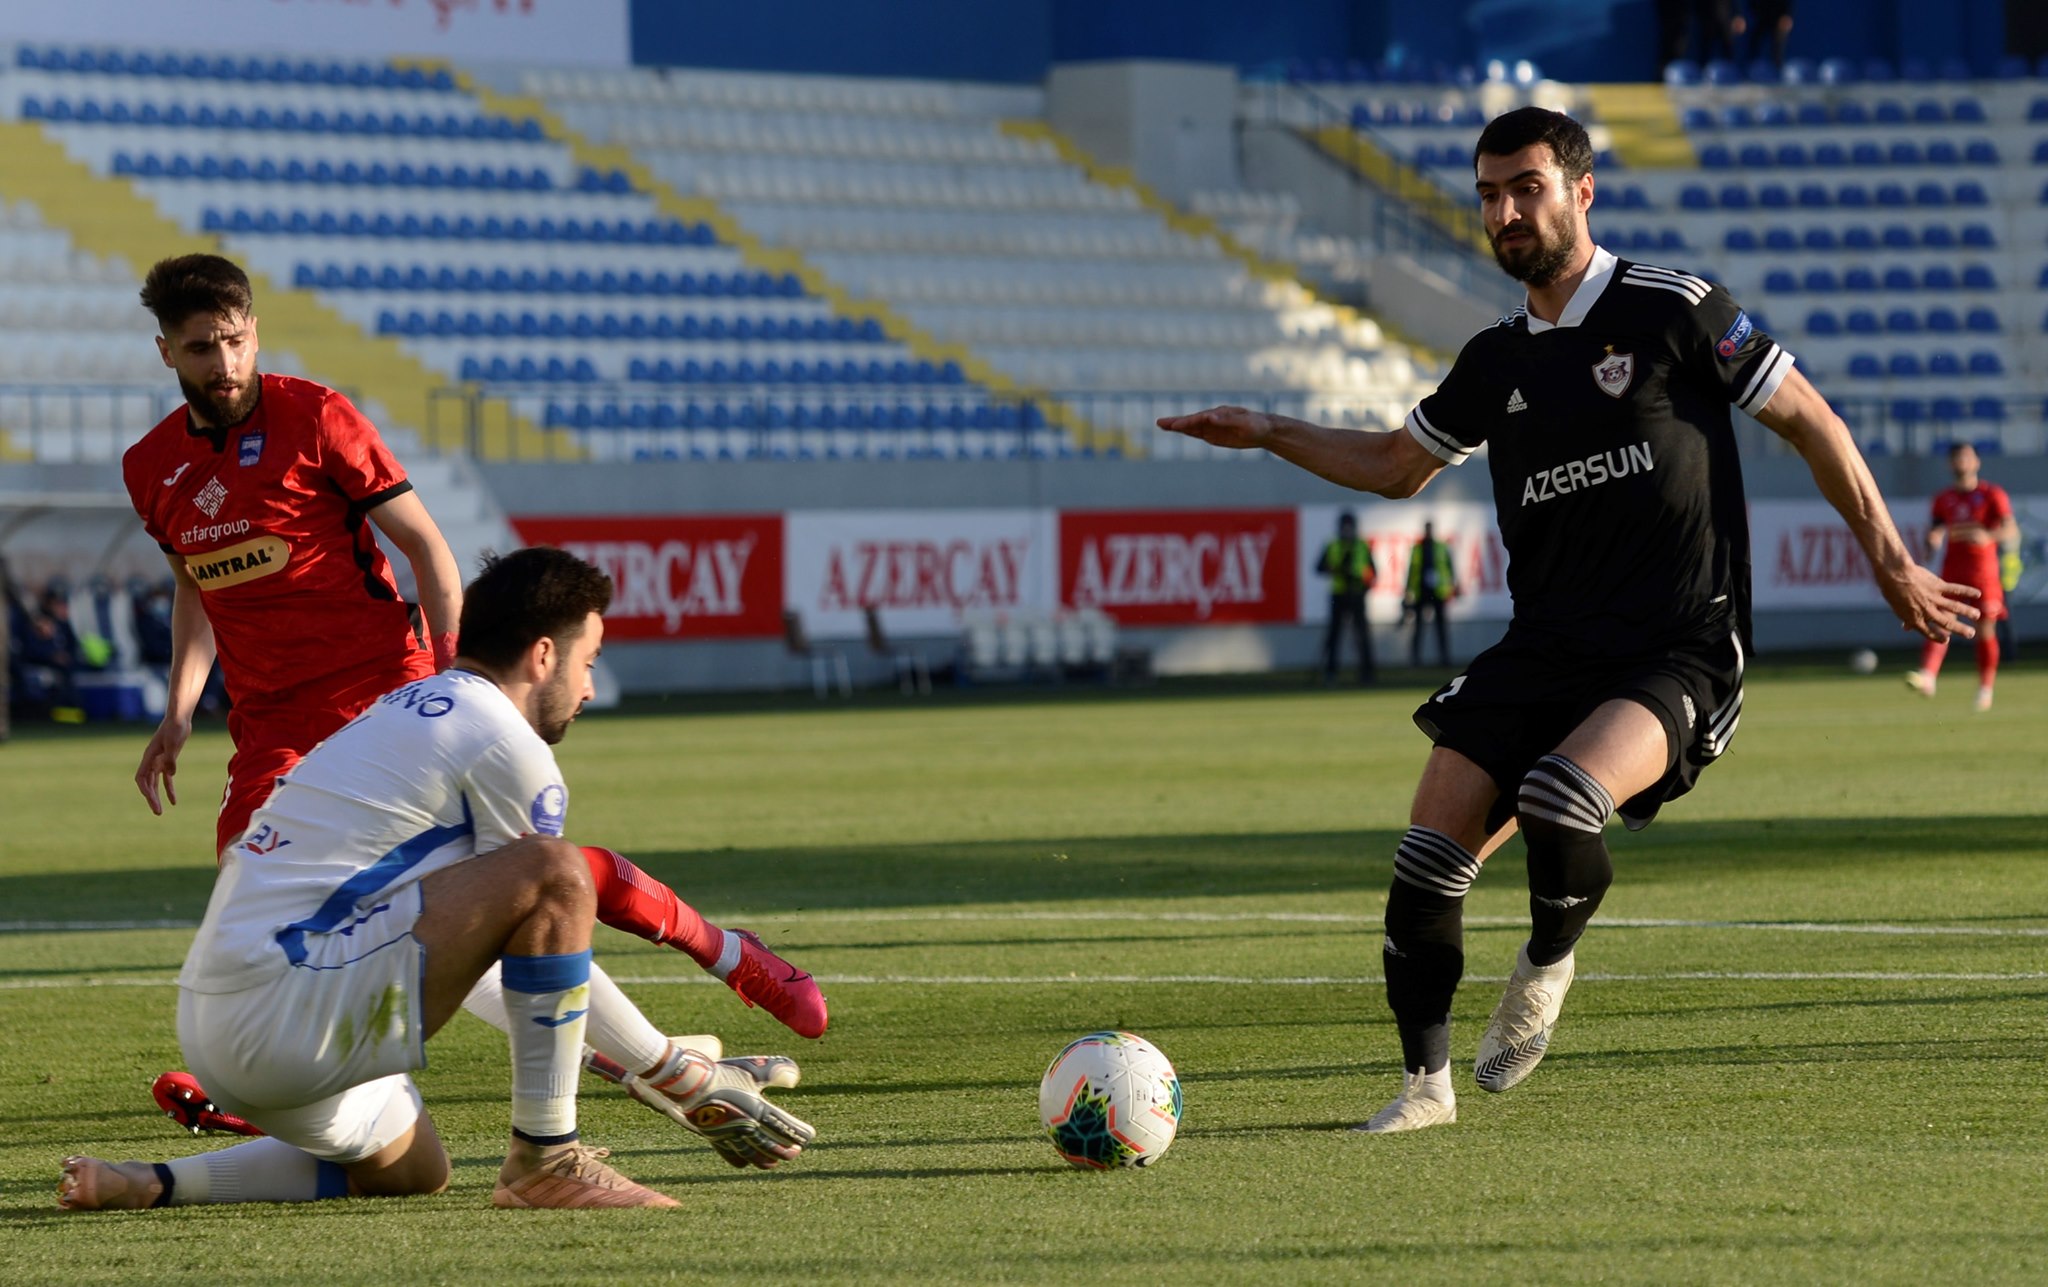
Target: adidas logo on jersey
1516,402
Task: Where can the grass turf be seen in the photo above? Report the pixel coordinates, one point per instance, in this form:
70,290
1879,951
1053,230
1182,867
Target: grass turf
1749,1083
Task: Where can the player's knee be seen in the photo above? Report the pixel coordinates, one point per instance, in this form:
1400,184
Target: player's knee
560,874
1562,809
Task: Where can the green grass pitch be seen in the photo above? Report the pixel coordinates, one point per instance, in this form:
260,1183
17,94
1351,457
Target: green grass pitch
1806,1045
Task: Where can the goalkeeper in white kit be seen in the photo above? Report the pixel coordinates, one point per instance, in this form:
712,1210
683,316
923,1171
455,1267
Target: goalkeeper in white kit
391,869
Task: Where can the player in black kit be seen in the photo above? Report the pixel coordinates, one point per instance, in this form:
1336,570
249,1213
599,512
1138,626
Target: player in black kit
1603,403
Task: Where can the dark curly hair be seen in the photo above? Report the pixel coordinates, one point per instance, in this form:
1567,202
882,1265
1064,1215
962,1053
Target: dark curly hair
525,596
1510,132
186,286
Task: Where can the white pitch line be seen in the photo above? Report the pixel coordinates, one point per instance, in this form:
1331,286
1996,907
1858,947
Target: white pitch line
1219,918
1225,980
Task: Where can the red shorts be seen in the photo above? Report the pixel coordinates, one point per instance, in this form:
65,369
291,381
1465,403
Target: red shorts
1977,566
273,731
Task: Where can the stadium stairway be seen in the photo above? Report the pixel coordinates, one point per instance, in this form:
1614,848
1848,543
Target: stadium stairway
778,260
106,216
1643,128
1291,289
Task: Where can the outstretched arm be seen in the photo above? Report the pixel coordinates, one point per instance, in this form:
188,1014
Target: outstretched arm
1922,601
1386,464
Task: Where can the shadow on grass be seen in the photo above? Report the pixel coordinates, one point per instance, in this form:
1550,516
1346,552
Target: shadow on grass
1057,869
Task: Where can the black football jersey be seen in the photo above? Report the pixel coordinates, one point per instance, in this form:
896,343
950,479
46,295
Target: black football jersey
1612,451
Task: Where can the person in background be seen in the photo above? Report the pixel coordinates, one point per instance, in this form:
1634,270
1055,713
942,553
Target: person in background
1970,522
1348,562
1432,583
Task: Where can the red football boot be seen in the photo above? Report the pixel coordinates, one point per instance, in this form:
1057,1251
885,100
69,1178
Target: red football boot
186,1102
766,980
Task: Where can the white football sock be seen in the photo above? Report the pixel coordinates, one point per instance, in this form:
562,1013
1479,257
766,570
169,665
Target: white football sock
547,999
617,1029
262,1170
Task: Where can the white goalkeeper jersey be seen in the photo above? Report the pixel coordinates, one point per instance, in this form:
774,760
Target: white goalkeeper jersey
434,773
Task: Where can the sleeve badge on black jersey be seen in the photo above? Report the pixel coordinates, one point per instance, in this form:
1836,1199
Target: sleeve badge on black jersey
1615,372
1731,343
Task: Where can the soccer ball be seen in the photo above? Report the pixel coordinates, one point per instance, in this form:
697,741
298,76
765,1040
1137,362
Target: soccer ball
1110,1099
1863,661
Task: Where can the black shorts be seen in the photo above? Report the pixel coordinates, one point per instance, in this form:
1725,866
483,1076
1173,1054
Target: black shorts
1520,699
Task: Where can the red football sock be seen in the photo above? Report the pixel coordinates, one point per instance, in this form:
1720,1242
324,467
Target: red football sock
1987,654
631,900
1931,654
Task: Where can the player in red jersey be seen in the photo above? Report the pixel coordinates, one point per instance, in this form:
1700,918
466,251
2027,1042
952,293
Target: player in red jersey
1971,521
262,491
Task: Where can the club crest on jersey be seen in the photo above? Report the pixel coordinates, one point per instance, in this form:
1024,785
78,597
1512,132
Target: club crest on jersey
211,496
550,809
1615,372
249,448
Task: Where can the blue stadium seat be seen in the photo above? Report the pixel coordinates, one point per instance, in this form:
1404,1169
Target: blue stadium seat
1815,196
1897,236
1736,116
1823,322
1790,156
1945,410
1987,409
1978,277
1938,236
1982,321
1866,155
1862,321
1942,364
1929,112
1734,196
1754,156
1908,411
1820,281
1984,362
1859,237
1899,278
1967,193
1694,197
1692,120
1780,240
1978,236
1739,239
1893,196
1903,152
1773,196
1902,321
2037,111
1903,366
1975,152
1820,237
1853,196
1939,277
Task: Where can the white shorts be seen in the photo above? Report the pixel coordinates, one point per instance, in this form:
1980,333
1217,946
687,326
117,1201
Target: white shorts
318,1056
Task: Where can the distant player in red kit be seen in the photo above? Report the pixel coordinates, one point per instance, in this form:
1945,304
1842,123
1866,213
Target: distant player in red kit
1971,521
262,491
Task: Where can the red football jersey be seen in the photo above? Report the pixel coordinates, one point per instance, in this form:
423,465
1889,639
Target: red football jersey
1987,506
271,519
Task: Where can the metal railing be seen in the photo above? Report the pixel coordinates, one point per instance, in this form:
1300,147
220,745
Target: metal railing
626,421
1396,204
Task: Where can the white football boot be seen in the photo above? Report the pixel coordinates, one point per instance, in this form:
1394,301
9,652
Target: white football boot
1520,1029
1418,1105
